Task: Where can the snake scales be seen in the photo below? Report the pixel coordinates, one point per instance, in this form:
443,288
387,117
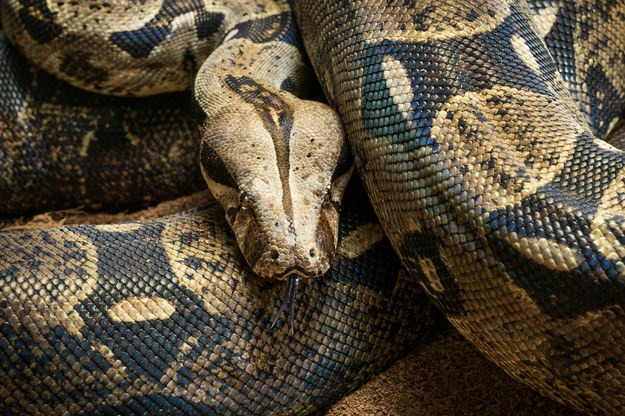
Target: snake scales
164,317
490,182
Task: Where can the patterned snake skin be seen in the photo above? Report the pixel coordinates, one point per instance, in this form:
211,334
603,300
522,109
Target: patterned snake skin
477,131
164,317
492,184
89,149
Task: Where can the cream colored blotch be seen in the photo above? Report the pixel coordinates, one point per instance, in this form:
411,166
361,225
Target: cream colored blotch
357,242
399,85
523,50
544,19
137,309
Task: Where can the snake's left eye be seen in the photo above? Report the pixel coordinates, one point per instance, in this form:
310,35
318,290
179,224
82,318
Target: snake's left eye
232,212
327,198
242,198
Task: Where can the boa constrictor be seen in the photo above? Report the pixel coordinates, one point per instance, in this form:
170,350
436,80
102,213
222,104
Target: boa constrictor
278,164
164,317
480,167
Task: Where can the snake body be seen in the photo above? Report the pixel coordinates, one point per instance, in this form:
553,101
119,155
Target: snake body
69,147
477,129
494,187
164,317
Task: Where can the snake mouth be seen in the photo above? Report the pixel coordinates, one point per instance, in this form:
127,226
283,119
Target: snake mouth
297,271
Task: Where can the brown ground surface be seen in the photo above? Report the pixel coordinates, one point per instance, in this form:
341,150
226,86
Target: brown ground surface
444,376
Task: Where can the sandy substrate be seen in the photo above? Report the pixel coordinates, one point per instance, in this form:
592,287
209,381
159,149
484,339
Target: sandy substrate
444,376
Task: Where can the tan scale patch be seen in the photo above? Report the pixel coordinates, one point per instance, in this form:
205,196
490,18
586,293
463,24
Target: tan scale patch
132,138
545,19
86,142
137,309
556,256
398,84
613,125
436,25
119,228
602,144
429,269
503,157
523,50
25,111
106,15
361,239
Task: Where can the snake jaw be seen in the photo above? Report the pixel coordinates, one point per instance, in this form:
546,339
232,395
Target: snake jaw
289,301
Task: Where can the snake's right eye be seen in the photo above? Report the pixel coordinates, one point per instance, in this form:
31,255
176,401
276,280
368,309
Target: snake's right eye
242,198
232,212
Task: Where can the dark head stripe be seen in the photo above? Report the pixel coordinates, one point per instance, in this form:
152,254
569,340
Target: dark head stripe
277,117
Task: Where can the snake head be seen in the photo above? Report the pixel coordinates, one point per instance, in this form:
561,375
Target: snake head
279,166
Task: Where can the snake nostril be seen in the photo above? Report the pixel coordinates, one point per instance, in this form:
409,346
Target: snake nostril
312,252
274,254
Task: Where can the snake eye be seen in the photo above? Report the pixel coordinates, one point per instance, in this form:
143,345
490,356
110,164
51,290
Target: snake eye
232,212
329,201
326,199
242,198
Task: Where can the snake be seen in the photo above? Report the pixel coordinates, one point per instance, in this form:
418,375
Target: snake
477,129
167,316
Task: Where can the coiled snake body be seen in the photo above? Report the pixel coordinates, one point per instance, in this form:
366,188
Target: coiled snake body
491,183
165,317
